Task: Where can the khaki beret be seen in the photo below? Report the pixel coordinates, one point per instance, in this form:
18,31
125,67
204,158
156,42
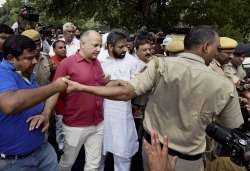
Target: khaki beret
175,46
32,34
227,43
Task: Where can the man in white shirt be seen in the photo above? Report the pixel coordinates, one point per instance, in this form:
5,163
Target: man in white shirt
120,136
72,43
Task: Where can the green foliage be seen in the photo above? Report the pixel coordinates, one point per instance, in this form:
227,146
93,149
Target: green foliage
230,17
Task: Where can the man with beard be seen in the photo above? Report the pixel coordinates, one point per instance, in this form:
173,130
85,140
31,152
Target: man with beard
120,137
180,104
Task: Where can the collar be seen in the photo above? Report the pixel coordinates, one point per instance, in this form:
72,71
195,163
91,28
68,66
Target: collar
192,56
74,41
79,58
6,64
139,60
56,58
217,63
27,80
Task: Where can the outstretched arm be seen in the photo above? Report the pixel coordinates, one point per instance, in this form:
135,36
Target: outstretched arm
114,90
18,100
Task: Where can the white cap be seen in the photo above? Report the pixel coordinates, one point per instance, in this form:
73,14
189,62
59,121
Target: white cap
166,40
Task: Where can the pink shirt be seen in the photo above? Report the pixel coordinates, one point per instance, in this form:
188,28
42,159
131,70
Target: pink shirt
81,109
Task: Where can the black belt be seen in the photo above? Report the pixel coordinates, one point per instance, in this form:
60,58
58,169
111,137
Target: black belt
172,152
14,157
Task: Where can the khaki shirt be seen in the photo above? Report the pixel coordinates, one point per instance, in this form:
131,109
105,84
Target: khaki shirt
217,67
185,99
42,69
235,74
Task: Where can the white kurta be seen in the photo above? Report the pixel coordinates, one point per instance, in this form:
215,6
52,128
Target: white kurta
120,136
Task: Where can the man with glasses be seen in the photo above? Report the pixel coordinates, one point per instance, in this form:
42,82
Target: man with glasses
72,44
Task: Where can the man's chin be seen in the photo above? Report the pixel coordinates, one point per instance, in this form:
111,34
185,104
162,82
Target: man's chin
121,56
94,56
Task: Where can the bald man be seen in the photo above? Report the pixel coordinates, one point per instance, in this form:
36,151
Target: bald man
83,112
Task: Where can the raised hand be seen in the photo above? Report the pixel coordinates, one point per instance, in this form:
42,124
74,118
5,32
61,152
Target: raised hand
157,157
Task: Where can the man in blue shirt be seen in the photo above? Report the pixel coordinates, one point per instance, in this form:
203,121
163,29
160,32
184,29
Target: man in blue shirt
5,32
22,122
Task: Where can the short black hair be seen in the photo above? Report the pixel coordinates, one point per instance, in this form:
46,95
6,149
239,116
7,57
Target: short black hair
130,38
6,29
57,41
115,36
142,39
199,35
16,44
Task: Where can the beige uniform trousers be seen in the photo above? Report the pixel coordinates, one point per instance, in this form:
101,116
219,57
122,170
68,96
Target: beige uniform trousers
222,164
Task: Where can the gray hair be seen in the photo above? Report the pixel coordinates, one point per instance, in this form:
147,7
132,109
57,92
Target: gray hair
68,25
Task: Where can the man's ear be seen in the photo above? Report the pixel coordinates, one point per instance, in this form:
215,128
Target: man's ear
109,46
205,47
10,58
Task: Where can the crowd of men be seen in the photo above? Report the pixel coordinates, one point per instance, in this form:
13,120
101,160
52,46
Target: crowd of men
91,88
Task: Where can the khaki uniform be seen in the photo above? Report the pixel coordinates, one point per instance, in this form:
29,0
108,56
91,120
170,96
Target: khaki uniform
217,67
186,95
214,163
43,69
223,164
235,74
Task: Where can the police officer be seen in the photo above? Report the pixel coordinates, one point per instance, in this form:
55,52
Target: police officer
213,162
234,70
175,46
224,56
185,96
43,67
